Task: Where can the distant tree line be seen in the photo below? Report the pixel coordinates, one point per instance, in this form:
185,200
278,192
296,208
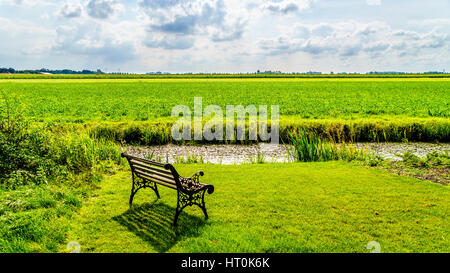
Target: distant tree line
4,70
268,72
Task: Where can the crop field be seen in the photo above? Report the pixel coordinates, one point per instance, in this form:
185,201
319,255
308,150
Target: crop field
357,109
138,100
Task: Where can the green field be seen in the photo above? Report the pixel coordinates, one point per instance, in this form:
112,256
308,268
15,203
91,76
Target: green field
351,109
137,100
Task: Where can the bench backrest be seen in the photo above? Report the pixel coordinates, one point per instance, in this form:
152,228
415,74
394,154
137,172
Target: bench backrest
163,174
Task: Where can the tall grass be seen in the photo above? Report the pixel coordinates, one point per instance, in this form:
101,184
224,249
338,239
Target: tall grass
335,130
309,147
189,159
80,153
31,154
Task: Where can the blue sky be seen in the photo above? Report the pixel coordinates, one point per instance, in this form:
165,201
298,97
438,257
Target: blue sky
226,35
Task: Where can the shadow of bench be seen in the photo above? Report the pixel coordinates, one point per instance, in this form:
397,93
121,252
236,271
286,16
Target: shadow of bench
153,223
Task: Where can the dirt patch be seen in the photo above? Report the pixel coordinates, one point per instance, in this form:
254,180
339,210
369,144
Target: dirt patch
439,174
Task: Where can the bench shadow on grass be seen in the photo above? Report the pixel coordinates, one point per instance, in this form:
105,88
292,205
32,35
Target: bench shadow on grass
154,224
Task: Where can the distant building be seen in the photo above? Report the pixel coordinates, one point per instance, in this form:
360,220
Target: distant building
313,73
385,72
158,73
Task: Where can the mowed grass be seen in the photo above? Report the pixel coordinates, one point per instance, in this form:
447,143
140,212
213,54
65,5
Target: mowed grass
140,100
298,207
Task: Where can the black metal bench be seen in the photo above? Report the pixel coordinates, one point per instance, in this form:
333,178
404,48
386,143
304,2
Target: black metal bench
149,174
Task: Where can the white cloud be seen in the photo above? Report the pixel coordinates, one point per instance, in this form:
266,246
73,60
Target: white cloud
27,3
106,42
16,27
70,10
103,9
287,6
177,24
350,39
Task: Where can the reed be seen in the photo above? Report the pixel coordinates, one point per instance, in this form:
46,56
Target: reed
309,147
334,130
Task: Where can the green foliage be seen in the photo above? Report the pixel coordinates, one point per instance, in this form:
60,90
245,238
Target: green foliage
309,147
144,133
439,159
24,152
434,159
35,155
336,130
80,153
376,129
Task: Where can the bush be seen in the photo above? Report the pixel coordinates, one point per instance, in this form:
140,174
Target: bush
24,153
36,155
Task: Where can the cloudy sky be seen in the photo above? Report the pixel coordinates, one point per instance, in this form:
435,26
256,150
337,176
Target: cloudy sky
226,35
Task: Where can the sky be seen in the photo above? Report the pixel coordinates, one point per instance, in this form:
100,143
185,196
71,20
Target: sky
226,36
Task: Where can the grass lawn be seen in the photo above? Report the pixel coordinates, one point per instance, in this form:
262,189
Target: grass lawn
298,207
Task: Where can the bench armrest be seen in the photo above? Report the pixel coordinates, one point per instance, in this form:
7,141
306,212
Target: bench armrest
196,176
193,183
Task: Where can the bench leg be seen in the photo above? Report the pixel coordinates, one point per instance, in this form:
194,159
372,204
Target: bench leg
177,214
156,191
203,206
132,195
204,212
189,201
138,184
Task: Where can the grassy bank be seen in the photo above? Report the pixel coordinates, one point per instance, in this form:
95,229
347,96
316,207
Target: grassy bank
338,130
309,207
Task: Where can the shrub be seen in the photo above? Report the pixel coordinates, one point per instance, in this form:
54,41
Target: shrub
36,155
24,153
